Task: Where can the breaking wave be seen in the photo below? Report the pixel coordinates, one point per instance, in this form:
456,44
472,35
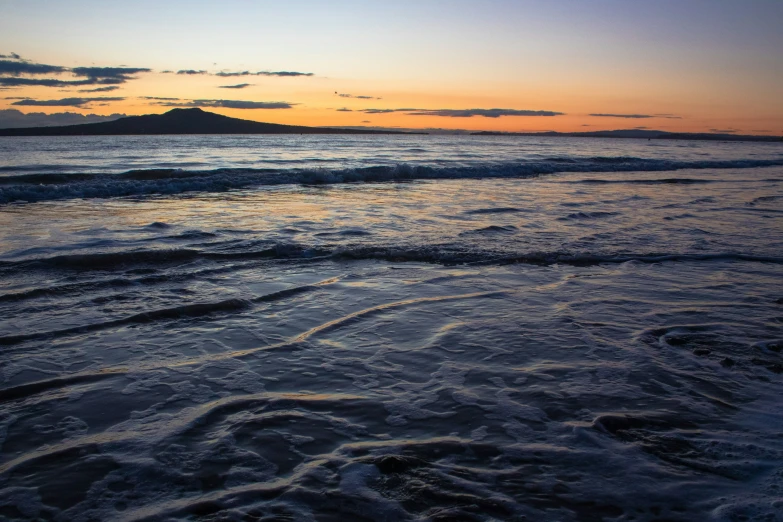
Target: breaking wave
140,183
447,254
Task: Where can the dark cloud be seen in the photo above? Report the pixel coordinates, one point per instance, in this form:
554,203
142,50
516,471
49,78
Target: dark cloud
119,73
237,86
11,56
158,98
464,113
344,109
637,116
241,104
226,74
65,102
50,82
230,104
366,121
486,113
191,71
14,119
384,111
20,67
669,116
356,96
229,74
101,89
724,131
167,72
633,116
15,72
282,73
641,128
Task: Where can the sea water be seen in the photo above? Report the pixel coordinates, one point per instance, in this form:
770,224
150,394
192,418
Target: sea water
390,328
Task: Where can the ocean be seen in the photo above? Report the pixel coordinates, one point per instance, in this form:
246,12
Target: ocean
390,328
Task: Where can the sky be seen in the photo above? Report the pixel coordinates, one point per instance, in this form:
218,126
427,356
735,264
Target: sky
503,65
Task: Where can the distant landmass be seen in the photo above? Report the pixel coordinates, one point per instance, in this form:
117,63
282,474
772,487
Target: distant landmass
181,121
198,121
640,134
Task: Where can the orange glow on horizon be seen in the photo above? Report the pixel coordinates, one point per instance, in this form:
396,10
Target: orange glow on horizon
673,66
315,102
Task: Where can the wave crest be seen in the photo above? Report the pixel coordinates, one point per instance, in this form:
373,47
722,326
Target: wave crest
140,183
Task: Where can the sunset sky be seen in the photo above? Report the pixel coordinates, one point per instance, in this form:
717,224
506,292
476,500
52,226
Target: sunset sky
565,65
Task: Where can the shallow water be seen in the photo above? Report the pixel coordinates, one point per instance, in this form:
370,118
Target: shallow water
572,346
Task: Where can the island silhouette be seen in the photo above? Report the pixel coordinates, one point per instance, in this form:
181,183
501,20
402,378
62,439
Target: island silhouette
182,121
198,121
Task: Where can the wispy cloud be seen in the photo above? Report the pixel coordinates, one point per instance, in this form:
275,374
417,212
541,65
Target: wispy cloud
158,98
724,131
344,109
227,74
228,104
101,89
636,116
486,113
17,72
282,73
46,82
384,111
668,116
631,116
356,96
464,113
64,102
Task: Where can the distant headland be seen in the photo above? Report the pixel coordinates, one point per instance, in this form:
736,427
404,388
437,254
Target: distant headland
640,134
198,121
181,121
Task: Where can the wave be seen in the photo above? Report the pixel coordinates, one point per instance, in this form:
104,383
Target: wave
587,215
494,210
491,229
115,283
443,254
178,312
187,311
140,183
662,181
543,258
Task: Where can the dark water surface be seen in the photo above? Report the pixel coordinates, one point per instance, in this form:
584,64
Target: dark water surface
601,345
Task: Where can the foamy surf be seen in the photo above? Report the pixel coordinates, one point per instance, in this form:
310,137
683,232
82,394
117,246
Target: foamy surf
48,187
